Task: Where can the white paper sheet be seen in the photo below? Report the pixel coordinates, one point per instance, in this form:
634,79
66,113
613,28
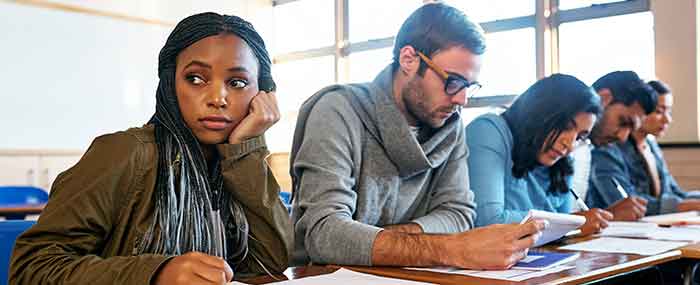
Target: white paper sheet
625,245
344,276
509,275
670,218
677,234
651,231
559,224
615,224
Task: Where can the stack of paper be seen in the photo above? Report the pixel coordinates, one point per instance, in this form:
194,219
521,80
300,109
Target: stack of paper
559,224
625,245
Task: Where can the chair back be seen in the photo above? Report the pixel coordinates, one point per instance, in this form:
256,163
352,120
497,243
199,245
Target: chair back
22,195
9,231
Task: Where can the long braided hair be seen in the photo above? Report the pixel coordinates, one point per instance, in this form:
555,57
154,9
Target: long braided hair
192,211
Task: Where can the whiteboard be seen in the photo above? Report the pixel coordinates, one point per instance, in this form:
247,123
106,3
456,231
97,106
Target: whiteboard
69,77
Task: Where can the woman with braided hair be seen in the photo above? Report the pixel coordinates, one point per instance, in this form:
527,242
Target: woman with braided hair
185,199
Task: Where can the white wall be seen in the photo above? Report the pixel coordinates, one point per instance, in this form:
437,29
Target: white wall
75,69
677,63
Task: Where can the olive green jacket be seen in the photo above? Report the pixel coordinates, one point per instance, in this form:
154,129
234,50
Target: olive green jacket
101,207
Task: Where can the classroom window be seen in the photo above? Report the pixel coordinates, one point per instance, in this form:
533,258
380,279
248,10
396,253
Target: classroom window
298,79
573,4
372,19
365,65
484,11
304,25
515,57
508,66
627,43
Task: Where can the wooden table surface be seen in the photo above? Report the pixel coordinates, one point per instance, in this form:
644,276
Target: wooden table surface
691,251
28,209
589,267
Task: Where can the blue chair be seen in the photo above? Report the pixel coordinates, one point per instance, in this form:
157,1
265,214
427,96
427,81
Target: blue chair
9,231
12,196
286,198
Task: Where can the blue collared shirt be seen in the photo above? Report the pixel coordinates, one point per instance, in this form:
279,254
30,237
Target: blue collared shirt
623,162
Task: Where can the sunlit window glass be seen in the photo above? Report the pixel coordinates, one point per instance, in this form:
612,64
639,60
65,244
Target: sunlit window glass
484,11
373,19
508,65
364,66
627,43
303,25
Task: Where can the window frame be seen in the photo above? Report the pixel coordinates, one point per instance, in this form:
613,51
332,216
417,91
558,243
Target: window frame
545,21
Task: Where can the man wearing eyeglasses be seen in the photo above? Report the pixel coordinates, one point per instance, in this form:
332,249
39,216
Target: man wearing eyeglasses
626,100
379,169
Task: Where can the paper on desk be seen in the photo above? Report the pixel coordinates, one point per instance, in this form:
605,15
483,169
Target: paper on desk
612,224
343,276
677,234
651,231
671,218
508,275
625,245
629,229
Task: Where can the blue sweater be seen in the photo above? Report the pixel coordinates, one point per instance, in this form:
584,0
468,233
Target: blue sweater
623,162
500,197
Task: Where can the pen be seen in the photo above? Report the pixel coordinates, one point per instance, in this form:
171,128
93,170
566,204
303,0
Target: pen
580,202
622,191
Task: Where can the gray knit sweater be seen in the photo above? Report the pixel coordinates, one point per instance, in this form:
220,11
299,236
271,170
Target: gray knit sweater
356,167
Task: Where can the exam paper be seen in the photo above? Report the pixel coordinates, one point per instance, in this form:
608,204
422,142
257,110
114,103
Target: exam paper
672,218
344,276
651,231
508,275
625,245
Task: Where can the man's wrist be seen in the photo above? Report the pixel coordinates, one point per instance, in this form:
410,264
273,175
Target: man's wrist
442,246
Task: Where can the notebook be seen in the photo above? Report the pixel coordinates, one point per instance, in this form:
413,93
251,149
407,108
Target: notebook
559,224
545,260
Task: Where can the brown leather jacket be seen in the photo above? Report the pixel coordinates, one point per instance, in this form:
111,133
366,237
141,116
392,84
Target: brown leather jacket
101,207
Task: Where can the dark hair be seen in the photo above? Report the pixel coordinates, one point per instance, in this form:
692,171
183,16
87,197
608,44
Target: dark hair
186,191
627,88
437,26
548,106
660,87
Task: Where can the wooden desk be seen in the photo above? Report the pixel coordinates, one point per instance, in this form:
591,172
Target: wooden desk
691,251
589,267
22,209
